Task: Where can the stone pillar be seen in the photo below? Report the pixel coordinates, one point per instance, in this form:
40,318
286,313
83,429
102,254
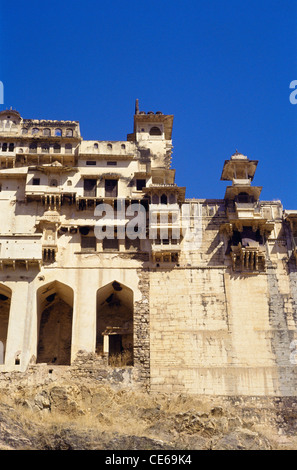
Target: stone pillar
142,329
105,345
84,316
16,324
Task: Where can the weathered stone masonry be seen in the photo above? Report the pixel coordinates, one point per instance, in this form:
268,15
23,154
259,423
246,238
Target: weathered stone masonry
205,305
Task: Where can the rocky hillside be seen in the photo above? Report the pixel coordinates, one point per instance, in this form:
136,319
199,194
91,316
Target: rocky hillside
75,416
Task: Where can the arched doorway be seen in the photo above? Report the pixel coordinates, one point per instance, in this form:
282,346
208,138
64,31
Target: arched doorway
55,310
114,333
5,300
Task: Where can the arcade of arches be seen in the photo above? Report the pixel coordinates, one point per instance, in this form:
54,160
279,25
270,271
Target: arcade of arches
55,301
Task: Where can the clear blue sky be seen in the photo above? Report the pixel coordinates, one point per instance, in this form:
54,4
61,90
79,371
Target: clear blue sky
223,68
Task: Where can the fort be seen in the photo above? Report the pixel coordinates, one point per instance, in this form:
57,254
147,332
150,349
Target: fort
208,305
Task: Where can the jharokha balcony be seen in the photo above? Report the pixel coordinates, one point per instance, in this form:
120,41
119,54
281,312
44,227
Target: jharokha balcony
250,257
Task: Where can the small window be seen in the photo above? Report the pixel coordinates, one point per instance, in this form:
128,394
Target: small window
112,163
90,162
155,199
58,132
69,133
140,184
53,183
57,148
45,148
33,148
68,148
36,181
111,188
24,131
69,183
4,147
11,147
243,198
35,130
155,131
123,146
88,243
163,199
96,146
109,146
46,132
132,244
90,186
110,244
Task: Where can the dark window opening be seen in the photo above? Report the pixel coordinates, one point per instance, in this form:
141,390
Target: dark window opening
4,147
68,148
132,244
111,188
11,147
45,148
155,131
90,187
140,184
90,162
33,148
84,230
57,148
243,198
112,163
247,237
54,183
36,181
163,199
110,244
88,243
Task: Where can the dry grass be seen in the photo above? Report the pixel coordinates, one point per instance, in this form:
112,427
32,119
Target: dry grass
123,359
109,411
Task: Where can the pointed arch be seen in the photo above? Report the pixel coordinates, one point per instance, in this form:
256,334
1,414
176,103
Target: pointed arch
114,331
5,301
54,317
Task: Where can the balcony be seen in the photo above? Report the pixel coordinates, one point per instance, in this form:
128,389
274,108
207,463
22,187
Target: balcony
52,197
49,250
250,259
20,250
165,251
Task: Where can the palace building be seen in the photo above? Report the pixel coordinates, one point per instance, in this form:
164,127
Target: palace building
102,256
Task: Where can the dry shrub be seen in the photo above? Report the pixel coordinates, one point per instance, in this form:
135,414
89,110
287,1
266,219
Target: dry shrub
123,359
